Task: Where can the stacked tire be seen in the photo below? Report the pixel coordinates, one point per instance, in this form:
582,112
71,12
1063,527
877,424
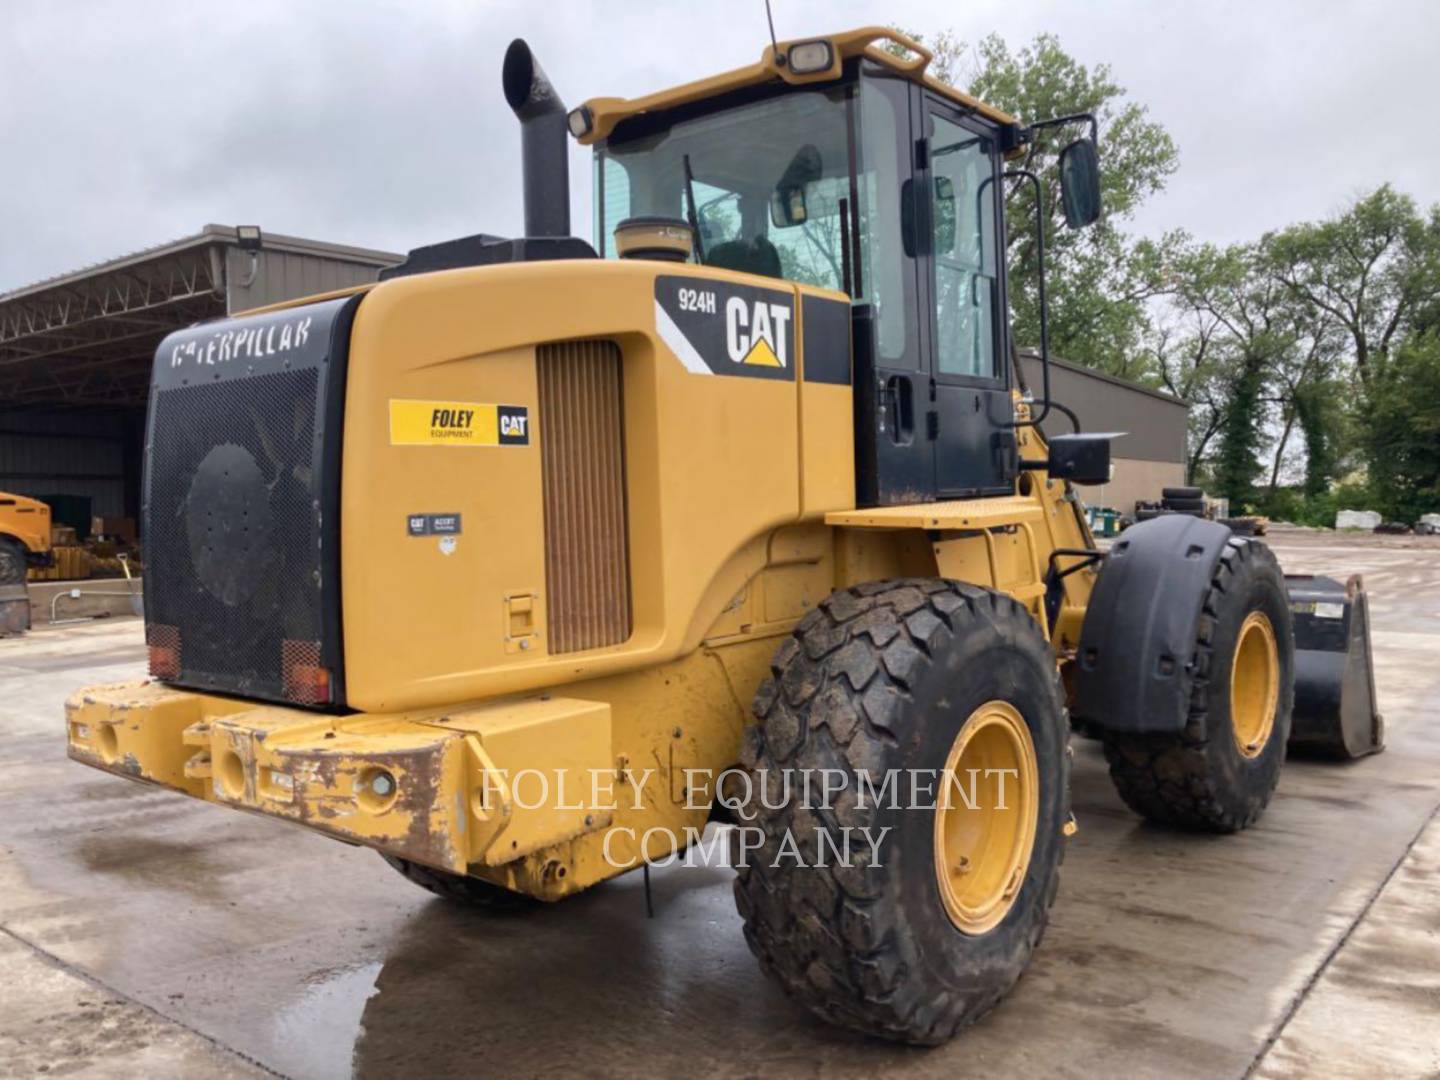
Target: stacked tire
1183,500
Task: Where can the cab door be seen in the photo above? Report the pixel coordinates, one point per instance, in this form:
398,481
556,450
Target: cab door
969,409
895,461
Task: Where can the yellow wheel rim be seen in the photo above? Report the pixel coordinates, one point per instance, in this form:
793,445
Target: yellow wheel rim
1254,684
985,815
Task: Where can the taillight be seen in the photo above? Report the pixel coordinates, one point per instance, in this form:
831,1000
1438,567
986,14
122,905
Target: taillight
164,646
306,680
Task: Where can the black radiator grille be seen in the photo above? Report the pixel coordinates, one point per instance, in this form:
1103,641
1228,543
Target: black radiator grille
235,599
241,502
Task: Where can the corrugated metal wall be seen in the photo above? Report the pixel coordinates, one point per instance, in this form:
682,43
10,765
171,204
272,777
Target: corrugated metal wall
283,275
51,452
1154,423
1151,455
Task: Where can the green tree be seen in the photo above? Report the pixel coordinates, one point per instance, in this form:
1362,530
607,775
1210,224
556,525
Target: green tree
1255,363
1249,330
1320,416
1402,432
1307,364
1237,464
1185,344
1373,268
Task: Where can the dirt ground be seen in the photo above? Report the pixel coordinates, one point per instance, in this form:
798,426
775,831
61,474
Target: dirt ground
145,933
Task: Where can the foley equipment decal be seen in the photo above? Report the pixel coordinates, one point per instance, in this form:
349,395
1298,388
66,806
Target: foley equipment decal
458,423
719,328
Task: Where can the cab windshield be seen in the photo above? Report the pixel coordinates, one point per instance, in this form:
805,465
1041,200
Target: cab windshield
771,182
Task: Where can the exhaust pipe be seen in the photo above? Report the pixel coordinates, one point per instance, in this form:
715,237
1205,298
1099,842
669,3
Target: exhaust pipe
543,132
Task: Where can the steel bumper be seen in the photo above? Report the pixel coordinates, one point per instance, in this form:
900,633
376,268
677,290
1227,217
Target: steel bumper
435,787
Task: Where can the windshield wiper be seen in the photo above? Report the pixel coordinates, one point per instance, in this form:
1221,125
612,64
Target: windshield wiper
694,215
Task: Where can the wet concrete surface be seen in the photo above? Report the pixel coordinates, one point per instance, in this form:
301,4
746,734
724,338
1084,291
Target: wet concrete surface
56,1023
1168,955
1384,980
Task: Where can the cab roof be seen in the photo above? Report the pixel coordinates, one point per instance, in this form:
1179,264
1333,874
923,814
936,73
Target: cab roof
603,113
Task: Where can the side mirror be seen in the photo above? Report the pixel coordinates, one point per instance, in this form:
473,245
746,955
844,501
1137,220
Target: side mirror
1080,183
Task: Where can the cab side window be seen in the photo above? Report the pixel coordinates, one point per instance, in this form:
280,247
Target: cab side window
887,273
963,238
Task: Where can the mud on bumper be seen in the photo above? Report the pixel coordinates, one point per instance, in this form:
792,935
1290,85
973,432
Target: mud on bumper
431,787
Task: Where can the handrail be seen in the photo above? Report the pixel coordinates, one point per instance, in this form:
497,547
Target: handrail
871,34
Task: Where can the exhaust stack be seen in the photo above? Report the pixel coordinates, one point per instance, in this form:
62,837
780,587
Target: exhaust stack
543,132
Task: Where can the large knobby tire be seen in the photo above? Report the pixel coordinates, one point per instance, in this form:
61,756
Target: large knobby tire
887,676
12,562
1219,772
461,888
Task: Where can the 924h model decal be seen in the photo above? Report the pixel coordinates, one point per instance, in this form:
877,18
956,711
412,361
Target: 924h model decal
720,328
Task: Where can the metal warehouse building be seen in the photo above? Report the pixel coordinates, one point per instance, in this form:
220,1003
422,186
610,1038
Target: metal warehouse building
75,351
1151,455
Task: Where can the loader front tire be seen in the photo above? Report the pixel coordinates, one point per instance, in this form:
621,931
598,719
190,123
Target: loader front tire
12,562
461,888
1219,773
919,935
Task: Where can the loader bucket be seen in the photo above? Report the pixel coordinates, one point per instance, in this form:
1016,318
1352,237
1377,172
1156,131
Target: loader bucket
1335,706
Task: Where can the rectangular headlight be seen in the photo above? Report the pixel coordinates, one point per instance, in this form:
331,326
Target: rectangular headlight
810,56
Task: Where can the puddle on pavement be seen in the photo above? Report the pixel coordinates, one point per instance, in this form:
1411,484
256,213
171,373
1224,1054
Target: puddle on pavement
316,1034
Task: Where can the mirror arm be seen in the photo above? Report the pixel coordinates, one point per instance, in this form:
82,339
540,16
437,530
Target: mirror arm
1026,174
1060,121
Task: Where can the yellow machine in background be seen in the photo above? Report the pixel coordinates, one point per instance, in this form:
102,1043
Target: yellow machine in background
522,565
24,537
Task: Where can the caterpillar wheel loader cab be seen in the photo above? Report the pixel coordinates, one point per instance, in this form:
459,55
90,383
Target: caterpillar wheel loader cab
522,564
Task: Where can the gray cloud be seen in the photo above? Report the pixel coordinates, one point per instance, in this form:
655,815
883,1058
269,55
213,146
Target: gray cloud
381,124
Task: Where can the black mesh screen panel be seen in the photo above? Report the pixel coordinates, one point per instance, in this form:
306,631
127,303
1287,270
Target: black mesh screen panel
241,503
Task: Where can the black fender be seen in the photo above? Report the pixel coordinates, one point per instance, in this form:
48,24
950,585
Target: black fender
1136,660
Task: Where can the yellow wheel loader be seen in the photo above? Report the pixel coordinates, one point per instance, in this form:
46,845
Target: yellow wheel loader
527,562
24,538
24,543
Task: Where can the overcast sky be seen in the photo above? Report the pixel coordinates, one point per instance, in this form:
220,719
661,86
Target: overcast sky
125,124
